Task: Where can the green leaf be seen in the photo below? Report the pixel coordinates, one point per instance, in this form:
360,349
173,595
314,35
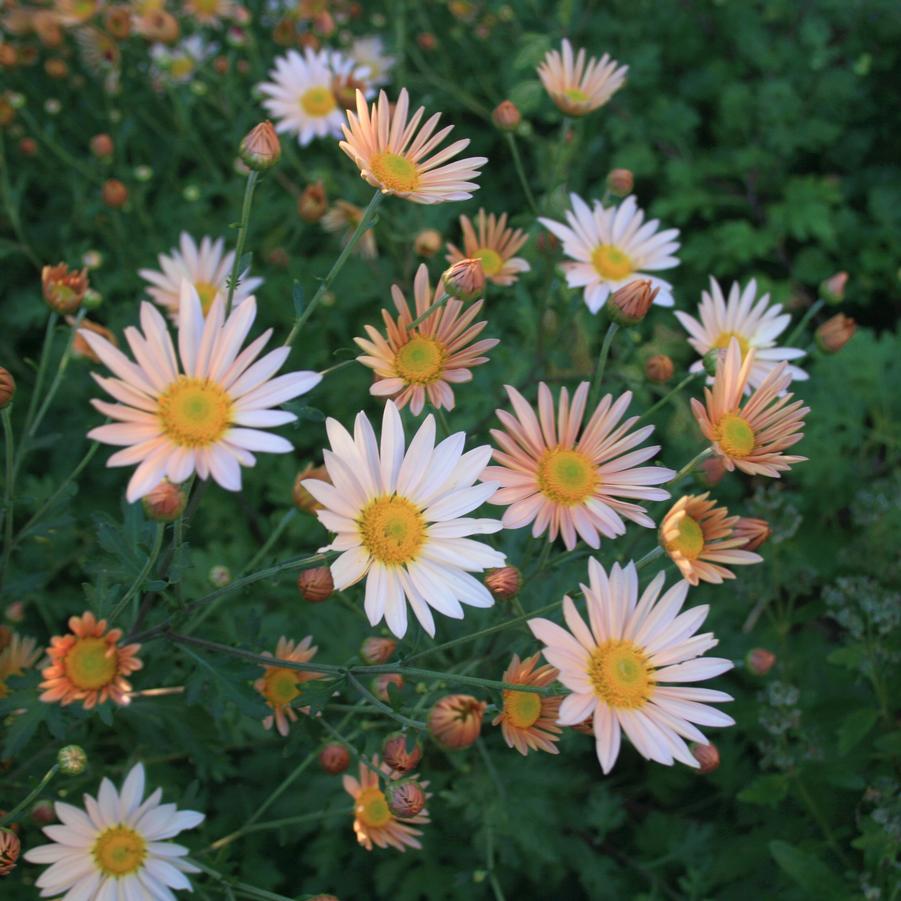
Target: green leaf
22,728
768,790
228,681
854,728
808,871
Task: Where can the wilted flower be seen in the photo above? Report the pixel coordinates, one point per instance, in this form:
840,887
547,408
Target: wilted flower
64,290
835,333
260,148
659,368
455,721
315,585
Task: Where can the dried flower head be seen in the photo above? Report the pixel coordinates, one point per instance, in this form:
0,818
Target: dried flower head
455,721
64,290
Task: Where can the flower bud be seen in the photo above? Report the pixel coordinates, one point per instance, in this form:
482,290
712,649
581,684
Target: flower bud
405,799
427,40
10,847
7,387
93,259
832,290
63,290
220,576
260,148
506,116
302,498
324,898
835,333
630,304
28,147
102,146
381,683
547,243
334,758
376,649
8,56
56,67
586,727
15,612
114,193
707,756
756,531
455,721
712,471
659,368
620,182
165,503
711,358
427,243
80,347
760,661
503,583
43,814
313,202
278,256
118,22
158,26
72,760
399,754
316,585
464,280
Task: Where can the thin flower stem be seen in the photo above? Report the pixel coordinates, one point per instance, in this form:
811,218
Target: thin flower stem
385,708
669,395
144,573
38,382
796,331
23,805
649,557
277,824
442,421
437,305
612,329
274,536
359,231
690,465
242,237
8,494
822,823
455,677
233,885
337,366
517,163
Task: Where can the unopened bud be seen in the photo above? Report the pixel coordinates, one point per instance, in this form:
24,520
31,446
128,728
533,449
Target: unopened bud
620,182
464,280
316,585
707,756
756,531
10,848
324,898
302,498
6,637
7,387
630,304
547,243
427,243
376,649
334,758
455,721
313,202
114,193
712,471
760,661
260,148
63,290
427,40
711,358
835,333
220,576
80,347
504,583
832,290
401,752
28,147
381,683
42,814
72,760
405,799
165,503
159,26
506,116
659,368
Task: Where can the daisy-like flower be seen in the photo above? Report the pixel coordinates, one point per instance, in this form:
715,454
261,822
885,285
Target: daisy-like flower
568,483
369,52
700,538
206,267
209,12
401,519
117,847
89,664
618,666
16,656
202,411
281,686
613,246
179,64
300,94
753,322
751,437
575,87
419,364
392,152
494,245
343,218
374,824
528,720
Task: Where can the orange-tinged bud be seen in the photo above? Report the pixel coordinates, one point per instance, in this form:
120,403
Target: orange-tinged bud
630,304
56,67
547,243
428,242
503,583
506,116
381,683
302,498
376,649
405,798
28,147
159,26
401,755
835,333
832,290
47,27
165,503
659,368
712,471
261,148
7,387
427,40
118,22
63,290
6,636
324,898
10,847
455,721
316,585
8,56
80,347
308,39
43,814
114,193
620,182
760,661
707,756
220,65
756,531
102,146
312,202
464,280
334,758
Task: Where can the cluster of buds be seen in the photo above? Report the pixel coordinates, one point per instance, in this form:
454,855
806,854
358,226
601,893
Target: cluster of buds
63,290
464,280
376,650
630,304
260,149
400,754
316,585
455,721
405,798
334,758
835,333
504,583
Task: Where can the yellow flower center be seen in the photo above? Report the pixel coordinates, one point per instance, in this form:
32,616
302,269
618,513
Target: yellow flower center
420,361
194,412
395,172
522,708
89,666
318,101
206,7
371,809
611,263
207,292
280,687
567,477
620,674
119,851
690,540
576,95
181,67
392,529
4,691
723,339
492,261
735,436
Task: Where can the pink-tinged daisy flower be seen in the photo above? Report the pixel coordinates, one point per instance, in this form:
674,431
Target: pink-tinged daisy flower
568,483
419,364
207,267
494,245
374,823
700,538
575,87
619,665
369,53
400,518
281,686
613,246
392,152
89,664
202,411
117,847
17,654
751,437
528,720
754,323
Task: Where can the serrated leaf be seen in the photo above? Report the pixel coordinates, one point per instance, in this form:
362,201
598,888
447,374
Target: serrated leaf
22,728
854,728
807,870
231,687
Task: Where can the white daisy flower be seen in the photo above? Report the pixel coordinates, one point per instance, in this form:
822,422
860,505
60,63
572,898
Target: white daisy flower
400,519
202,411
179,64
617,666
206,267
613,246
116,848
370,52
753,324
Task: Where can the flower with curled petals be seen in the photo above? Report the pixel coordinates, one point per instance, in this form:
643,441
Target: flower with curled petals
528,720
494,245
281,685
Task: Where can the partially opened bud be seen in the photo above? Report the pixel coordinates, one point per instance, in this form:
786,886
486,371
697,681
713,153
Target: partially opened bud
506,116
835,333
712,471
261,148
159,26
464,280
401,754
10,847
220,575
334,758
707,756
659,368
166,502
72,760
316,585
7,387
455,721
504,583
381,683
711,358
405,799
63,290
114,193
302,498
427,243
312,202
832,290
760,661
756,531
376,649
620,182
630,304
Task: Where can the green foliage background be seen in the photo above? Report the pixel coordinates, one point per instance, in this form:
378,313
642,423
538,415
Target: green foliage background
765,131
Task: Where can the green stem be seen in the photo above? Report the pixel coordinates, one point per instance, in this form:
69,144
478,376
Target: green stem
249,891
517,163
690,465
11,816
455,677
823,824
671,394
359,231
432,309
796,331
385,708
12,212
242,237
143,574
612,329
39,381
276,824
8,494
650,556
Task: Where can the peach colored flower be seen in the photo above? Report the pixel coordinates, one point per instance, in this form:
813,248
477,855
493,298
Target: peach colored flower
494,245
528,720
455,721
280,685
16,655
575,87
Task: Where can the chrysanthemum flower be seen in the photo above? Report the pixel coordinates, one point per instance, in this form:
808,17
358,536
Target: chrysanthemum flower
179,64
392,152
343,219
700,539
206,267
374,824
753,323
566,483
752,437
617,666
613,246
281,686
419,364
209,12
400,519
494,245
528,720
17,655
117,847
202,411
578,89
455,721
369,52
89,664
